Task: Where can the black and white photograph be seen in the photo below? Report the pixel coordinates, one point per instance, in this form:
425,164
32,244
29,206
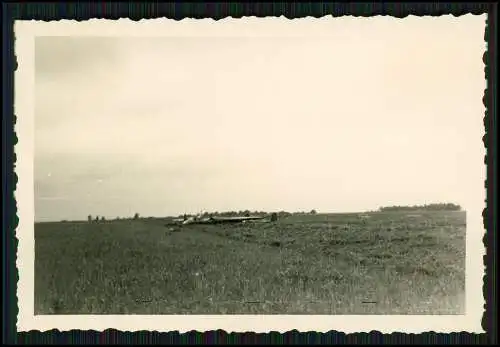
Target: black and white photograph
318,168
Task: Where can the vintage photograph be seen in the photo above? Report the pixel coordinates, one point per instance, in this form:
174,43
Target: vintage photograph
311,170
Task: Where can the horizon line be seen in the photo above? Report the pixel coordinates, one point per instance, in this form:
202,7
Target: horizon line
378,210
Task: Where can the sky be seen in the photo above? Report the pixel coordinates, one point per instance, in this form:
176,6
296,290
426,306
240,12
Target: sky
378,112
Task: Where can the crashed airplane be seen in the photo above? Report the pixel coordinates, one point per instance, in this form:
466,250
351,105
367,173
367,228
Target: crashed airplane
217,220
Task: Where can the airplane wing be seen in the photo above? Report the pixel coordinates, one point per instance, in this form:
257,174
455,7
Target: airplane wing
235,219
219,220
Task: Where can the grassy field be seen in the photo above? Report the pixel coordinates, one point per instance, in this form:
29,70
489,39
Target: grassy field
391,263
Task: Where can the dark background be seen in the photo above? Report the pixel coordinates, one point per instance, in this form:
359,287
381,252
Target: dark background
82,11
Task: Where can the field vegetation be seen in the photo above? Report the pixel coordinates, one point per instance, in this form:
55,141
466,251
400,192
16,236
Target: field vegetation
395,262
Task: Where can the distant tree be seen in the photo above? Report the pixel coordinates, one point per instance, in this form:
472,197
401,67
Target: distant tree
103,218
313,212
97,218
89,218
427,207
246,213
136,215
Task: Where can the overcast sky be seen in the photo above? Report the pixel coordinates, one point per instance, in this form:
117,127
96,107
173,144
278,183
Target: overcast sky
379,113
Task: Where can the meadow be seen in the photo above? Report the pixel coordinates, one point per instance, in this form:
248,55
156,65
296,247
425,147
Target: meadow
389,263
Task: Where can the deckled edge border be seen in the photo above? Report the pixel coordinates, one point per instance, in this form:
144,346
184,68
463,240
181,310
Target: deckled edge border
216,11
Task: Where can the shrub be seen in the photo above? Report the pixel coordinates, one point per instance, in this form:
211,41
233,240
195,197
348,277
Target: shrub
274,217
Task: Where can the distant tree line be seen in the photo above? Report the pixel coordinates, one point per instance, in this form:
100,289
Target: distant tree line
428,207
97,219
247,213
241,213
102,218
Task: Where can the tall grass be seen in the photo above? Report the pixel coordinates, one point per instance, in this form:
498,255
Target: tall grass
391,263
